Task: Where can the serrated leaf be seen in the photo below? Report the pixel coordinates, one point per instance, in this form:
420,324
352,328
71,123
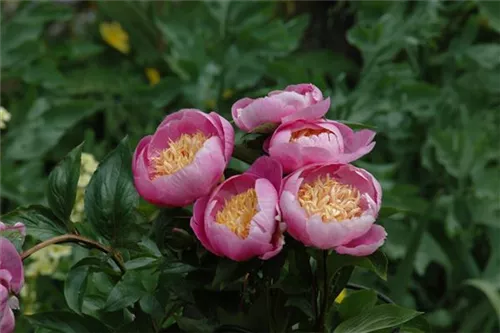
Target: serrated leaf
110,198
377,318
63,182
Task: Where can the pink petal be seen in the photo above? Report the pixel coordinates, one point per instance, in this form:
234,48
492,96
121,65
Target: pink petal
197,222
268,168
139,153
194,180
307,89
278,241
362,180
11,261
260,111
314,111
227,134
267,198
7,322
18,227
365,244
331,234
295,218
293,156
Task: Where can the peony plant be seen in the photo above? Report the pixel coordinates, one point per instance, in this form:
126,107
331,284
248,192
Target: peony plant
179,236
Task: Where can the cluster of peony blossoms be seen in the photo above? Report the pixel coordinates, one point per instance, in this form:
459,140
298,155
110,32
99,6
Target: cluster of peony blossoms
323,201
11,276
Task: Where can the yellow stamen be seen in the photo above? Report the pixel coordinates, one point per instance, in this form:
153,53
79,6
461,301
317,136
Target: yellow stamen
238,212
332,200
307,132
180,153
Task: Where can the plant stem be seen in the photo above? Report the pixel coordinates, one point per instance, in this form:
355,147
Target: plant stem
324,303
69,238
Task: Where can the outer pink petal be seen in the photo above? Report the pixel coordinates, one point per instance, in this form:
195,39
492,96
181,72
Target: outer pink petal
366,244
235,110
293,156
4,297
267,198
7,323
268,168
196,179
226,242
227,134
314,111
331,234
295,218
138,153
307,89
260,111
197,222
11,261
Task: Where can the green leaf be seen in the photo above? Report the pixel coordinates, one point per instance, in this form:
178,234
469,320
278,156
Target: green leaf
40,222
357,126
75,286
194,325
485,55
133,285
490,291
376,262
491,10
46,123
226,269
67,322
110,198
356,303
377,318
63,182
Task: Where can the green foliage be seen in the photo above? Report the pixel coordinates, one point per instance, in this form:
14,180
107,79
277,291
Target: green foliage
424,75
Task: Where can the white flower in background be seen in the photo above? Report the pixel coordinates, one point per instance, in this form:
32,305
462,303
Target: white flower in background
87,169
43,262
4,117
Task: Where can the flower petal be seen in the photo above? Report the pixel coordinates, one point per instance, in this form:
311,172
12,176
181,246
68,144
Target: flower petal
365,244
197,222
11,261
227,134
268,168
314,111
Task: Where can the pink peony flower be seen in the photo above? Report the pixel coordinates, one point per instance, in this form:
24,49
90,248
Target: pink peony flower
184,159
11,281
333,206
301,101
305,142
239,219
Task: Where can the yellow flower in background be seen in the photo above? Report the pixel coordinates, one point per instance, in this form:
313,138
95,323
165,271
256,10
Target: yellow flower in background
115,36
4,117
87,169
341,296
153,75
227,94
210,103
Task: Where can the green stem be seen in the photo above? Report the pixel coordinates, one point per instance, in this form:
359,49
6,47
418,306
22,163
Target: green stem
325,292
69,238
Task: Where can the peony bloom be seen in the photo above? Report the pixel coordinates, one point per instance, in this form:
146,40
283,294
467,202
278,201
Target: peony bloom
184,159
301,101
11,276
333,206
239,219
305,142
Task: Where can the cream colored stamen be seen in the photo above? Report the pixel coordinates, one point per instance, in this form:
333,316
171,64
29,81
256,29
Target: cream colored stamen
238,212
180,153
330,199
307,132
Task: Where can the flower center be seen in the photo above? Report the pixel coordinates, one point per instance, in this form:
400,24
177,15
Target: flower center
307,132
330,199
238,212
180,153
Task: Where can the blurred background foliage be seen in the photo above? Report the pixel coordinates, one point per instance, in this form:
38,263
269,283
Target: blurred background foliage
425,75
